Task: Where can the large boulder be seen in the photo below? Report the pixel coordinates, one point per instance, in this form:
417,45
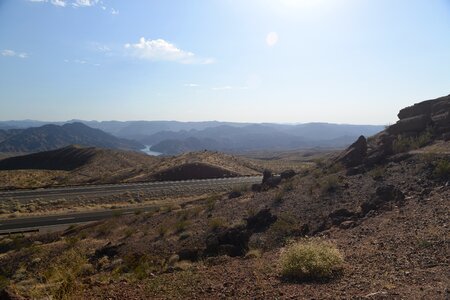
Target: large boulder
355,154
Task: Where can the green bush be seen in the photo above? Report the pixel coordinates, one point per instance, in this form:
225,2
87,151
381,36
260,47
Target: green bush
311,259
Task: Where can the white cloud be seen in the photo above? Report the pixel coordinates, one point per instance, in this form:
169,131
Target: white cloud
12,53
191,85
229,87
60,3
84,3
82,62
78,4
161,50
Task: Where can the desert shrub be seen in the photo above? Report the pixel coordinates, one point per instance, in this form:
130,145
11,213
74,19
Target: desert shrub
288,186
442,169
377,172
216,223
335,167
405,144
4,282
163,230
211,202
311,259
329,184
63,277
142,265
183,215
254,253
279,197
181,225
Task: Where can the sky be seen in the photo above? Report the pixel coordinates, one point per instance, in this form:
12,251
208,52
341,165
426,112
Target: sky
284,61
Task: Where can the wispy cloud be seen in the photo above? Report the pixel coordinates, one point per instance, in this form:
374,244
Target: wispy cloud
82,62
161,50
229,87
191,85
12,53
79,4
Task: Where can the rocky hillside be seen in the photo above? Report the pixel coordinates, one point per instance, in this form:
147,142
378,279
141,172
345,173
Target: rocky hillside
50,137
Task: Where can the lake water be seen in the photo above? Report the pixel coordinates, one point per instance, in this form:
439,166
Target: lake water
147,151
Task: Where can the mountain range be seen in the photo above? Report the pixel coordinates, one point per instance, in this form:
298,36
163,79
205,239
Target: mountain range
173,137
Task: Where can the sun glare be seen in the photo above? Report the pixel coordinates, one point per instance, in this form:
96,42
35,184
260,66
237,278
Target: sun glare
272,39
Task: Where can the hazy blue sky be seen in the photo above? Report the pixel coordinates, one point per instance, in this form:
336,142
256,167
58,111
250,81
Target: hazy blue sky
345,61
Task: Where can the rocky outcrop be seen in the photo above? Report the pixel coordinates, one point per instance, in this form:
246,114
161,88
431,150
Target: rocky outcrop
432,114
431,117
355,154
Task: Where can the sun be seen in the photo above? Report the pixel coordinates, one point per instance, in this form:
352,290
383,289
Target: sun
272,39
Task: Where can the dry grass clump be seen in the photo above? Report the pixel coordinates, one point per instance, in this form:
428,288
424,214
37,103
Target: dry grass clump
217,223
311,259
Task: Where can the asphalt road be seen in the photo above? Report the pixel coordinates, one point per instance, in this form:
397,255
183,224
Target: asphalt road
110,189
18,224
11,225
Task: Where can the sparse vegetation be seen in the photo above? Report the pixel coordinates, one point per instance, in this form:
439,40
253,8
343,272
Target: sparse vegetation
311,259
279,197
404,144
217,223
329,184
378,172
181,225
442,169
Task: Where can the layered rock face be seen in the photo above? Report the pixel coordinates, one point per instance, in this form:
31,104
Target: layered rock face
431,116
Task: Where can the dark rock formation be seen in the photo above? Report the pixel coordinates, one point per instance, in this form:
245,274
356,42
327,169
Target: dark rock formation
257,187
191,254
355,154
261,221
432,114
234,194
108,250
230,241
234,241
287,174
341,215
